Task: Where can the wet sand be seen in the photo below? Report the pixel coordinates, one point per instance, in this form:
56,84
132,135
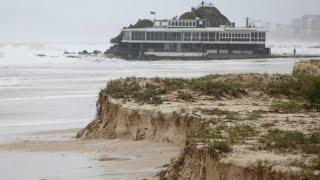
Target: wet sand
111,159
42,104
39,117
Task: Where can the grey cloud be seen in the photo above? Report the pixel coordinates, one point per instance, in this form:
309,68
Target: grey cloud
98,20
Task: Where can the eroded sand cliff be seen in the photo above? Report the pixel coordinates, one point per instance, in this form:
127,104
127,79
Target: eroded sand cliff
229,127
136,122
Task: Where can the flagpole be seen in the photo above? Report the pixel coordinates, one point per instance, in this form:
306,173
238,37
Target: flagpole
154,15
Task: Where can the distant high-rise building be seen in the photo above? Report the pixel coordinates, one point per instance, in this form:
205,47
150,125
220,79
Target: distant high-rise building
311,26
306,27
295,27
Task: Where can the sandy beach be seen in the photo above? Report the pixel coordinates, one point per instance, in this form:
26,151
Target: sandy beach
98,159
44,101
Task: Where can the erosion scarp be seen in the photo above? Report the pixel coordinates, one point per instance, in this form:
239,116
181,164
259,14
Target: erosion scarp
247,126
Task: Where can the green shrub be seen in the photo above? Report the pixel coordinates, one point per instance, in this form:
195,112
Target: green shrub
184,96
286,107
267,125
311,148
288,86
301,87
312,91
122,87
205,134
292,140
156,100
187,15
254,115
315,62
183,110
142,23
217,89
174,84
222,146
283,139
239,133
315,137
289,139
308,169
217,112
315,163
233,116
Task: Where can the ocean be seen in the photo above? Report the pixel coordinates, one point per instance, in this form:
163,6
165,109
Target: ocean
53,92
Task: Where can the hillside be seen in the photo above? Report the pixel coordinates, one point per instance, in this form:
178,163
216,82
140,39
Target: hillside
212,14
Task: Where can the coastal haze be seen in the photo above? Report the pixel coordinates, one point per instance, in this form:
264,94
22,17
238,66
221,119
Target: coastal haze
99,20
46,96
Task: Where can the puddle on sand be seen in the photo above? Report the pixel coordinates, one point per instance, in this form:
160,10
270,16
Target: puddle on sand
113,159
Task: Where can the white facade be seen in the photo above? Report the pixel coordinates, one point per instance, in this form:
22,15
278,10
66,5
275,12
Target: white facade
195,35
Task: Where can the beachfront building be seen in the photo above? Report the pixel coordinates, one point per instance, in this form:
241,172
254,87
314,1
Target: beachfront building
193,38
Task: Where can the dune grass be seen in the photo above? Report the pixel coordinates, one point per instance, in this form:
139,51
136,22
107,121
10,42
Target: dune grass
217,86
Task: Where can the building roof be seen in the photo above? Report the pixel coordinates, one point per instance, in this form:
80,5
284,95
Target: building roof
211,29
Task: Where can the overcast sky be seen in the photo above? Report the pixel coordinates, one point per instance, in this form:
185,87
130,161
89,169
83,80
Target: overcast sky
98,20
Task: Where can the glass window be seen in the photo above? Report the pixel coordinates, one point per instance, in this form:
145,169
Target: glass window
204,36
165,36
134,36
148,36
223,37
169,36
187,36
161,36
173,36
179,36
195,36
138,35
212,36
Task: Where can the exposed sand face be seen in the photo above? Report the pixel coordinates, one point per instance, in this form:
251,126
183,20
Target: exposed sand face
40,103
305,122
249,127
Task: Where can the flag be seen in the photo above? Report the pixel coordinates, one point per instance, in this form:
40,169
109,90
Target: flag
152,12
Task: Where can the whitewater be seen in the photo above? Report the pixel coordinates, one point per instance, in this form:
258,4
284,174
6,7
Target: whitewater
52,92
